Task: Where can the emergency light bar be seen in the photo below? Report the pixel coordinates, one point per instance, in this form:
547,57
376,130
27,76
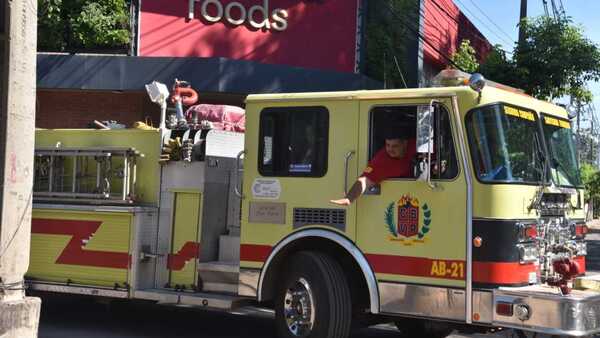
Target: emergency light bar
455,77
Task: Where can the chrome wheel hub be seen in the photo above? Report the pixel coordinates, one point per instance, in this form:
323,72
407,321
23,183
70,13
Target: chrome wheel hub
299,308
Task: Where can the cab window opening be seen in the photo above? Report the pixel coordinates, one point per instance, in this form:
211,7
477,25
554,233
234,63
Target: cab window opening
293,141
404,118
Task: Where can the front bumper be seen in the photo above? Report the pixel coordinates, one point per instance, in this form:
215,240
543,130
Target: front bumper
576,314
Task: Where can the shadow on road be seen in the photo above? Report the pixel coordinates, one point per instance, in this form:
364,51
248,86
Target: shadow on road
76,317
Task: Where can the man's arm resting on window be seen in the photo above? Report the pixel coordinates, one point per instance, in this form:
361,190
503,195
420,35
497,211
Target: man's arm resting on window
358,188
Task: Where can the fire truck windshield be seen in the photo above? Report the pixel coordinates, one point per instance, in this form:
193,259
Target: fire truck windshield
559,139
502,144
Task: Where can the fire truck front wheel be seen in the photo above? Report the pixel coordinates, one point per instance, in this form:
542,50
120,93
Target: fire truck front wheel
314,298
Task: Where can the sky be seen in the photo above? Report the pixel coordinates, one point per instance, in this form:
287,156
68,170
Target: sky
500,25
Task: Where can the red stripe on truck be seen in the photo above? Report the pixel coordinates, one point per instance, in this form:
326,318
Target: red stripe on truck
189,251
417,266
254,252
502,272
74,252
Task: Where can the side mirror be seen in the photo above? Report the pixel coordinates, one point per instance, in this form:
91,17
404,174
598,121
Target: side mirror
425,143
425,129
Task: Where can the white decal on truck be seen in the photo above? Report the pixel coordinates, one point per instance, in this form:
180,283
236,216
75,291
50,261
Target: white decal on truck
266,188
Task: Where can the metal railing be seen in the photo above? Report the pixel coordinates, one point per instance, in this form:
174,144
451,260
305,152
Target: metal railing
87,175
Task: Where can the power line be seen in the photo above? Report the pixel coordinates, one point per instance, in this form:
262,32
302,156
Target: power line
490,19
421,37
545,2
445,11
483,23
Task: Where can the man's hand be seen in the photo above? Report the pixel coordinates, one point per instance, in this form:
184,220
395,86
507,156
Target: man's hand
343,201
358,188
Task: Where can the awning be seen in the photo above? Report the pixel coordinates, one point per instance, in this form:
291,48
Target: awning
220,75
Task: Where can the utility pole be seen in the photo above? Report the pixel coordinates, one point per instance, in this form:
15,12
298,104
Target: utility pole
521,17
19,315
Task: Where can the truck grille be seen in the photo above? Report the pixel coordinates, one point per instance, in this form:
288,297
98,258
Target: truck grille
315,216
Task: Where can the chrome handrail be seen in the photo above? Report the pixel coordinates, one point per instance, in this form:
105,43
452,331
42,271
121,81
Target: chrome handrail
346,161
238,191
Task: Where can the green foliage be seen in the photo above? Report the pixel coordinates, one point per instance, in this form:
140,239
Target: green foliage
554,60
591,180
74,25
50,25
464,57
588,146
387,37
389,219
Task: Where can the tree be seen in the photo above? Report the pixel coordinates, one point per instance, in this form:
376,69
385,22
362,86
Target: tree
464,57
554,60
50,26
388,41
73,25
588,146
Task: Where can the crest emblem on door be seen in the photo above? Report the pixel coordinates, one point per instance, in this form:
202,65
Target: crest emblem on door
407,220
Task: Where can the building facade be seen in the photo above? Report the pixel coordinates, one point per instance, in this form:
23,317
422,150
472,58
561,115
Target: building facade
228,49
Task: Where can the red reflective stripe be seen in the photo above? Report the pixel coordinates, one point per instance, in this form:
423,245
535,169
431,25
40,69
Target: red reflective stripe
75,253
254,253
189,251
417,266
502,272
581,261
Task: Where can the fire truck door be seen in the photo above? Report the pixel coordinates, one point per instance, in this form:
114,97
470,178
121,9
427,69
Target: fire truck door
304,154
410,232
183,258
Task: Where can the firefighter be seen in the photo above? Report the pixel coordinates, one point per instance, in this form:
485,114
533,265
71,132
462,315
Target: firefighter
393,160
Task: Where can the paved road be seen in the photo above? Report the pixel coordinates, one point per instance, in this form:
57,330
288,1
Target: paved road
83,318
71,317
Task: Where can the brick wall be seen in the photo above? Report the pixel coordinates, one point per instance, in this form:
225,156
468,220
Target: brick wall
76,109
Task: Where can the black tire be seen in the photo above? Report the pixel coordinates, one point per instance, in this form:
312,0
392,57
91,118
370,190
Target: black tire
411,328
329,292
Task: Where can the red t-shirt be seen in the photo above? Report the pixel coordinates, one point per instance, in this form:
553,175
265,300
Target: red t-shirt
382,166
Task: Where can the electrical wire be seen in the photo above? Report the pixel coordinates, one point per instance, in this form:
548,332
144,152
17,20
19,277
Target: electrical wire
484,24
421,37
450,16
445,11
16,286
490,20
19,227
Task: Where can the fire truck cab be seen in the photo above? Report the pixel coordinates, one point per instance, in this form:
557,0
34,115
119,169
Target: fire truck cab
487,230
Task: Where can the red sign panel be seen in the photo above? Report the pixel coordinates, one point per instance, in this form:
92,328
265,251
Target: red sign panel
309,33
445,26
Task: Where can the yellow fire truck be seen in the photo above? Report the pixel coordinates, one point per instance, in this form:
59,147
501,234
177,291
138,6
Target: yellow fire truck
489,232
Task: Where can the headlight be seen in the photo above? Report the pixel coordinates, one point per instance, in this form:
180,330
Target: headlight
528,253
581,248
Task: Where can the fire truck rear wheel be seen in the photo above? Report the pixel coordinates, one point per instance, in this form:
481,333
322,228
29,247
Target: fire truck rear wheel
314,298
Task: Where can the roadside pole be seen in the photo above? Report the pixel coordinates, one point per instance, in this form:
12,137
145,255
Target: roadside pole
19,315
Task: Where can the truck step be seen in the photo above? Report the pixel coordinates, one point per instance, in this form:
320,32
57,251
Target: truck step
589,282
200,299
229,248
219,276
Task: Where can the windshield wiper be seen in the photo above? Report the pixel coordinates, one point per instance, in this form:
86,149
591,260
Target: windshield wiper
545,168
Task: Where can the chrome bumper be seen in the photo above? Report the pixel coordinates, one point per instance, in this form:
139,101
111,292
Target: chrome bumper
543,309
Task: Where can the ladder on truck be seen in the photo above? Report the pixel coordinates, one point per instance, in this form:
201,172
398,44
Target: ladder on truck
90,174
